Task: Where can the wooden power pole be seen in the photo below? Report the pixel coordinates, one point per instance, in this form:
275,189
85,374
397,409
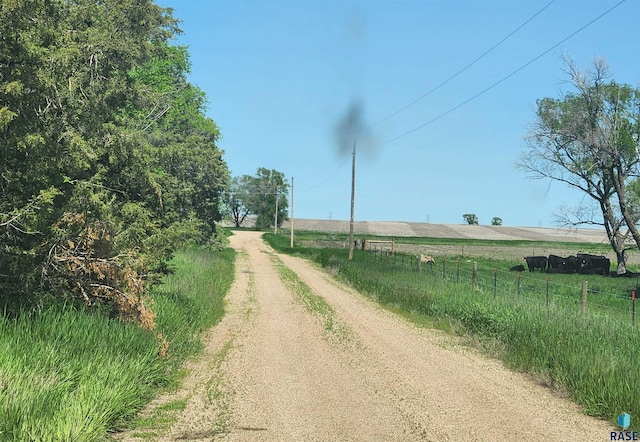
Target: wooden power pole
291,245
353,192
275,227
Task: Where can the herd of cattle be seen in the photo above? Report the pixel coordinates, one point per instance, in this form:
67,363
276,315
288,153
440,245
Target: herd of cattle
581,263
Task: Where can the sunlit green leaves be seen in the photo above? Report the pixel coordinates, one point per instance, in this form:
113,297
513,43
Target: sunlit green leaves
98,122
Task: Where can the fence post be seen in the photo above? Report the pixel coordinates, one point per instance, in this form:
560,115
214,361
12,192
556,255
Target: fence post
419,263
444,273
495,282
518,292
583,303
474,275
633,307
547,293
457,270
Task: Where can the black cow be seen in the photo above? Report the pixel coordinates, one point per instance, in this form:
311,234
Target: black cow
536,262
556,264
571,264
518,268
601,265
590,264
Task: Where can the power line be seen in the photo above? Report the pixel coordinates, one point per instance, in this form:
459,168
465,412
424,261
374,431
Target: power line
464,68
504,78
446,81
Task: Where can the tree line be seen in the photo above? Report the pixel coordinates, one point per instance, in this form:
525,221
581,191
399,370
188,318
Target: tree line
107,160
472,219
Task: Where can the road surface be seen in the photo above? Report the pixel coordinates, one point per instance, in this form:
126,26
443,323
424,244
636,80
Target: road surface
326,364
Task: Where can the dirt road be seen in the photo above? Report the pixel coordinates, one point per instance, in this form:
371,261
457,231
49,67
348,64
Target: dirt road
325,364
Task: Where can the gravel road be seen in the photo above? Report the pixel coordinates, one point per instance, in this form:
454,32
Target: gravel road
276,369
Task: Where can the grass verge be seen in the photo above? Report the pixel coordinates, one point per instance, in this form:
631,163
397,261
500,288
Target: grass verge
314,303
67,374
302,292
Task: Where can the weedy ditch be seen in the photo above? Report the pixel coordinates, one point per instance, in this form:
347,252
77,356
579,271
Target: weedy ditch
71,375
592,356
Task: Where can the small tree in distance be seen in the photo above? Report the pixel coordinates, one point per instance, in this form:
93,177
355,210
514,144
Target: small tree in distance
267,186
236,198
496,221
257,195
470,218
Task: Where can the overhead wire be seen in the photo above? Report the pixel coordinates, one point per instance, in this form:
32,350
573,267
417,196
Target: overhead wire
464,68
442,115
445,82
503,78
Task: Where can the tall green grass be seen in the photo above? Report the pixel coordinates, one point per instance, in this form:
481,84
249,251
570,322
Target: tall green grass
592,357
192,298
67,374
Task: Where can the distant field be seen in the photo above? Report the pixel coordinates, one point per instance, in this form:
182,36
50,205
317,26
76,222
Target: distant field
518,241
461,231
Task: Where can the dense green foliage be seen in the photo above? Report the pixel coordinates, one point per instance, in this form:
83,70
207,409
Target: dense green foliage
260,195
236,199
107,160
72,376
590,355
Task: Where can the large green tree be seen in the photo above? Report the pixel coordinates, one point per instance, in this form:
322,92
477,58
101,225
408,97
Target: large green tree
107,160
589,139
237,197
269,193
259,195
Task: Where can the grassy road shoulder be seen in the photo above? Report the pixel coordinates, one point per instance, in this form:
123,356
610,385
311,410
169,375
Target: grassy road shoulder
72,375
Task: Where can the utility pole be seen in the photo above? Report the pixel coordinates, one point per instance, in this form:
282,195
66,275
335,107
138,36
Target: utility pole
291,245
353,192
275,226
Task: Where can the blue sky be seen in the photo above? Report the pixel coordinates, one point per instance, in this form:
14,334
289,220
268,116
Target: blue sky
280,75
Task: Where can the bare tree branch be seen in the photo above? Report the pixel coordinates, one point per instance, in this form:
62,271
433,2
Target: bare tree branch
588,139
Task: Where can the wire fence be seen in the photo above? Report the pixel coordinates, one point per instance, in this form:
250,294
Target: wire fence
520,287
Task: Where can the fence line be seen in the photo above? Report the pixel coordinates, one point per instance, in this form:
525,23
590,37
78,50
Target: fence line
515,286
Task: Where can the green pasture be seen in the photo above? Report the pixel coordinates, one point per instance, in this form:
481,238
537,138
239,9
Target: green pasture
68,374
533,324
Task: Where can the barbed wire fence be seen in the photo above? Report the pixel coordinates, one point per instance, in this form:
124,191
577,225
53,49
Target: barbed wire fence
519,287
